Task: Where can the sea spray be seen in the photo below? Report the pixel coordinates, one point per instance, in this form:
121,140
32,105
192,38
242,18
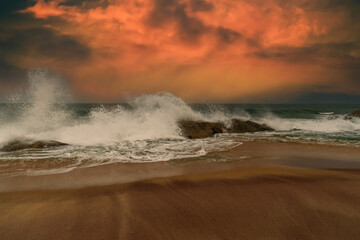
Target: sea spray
145,128
47,97
40,109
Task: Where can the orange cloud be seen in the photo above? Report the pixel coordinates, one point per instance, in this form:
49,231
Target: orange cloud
216,49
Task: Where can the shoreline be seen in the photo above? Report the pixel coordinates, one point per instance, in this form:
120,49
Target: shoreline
254,154
280,191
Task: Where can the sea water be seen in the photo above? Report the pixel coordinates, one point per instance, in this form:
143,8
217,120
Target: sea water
144,128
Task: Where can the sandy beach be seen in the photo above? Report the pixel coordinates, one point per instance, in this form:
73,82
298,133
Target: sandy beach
280,191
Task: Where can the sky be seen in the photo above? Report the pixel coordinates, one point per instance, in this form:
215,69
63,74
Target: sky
260,51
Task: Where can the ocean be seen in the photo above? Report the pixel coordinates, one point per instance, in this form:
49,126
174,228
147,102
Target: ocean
145,129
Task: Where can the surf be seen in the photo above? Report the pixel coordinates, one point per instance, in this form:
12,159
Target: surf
145,128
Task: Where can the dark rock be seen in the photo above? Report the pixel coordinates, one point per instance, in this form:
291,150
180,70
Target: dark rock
200,129
240,126
197,129
20,145
355,114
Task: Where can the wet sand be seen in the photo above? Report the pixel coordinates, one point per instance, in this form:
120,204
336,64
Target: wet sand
280,191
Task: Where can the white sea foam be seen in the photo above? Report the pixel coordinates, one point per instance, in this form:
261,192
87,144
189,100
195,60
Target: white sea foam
145,130
322,124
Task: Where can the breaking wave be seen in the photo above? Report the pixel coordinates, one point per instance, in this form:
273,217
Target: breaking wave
144,129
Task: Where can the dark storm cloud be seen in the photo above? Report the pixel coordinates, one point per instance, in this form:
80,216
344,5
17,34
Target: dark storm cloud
10,6
162,12
319,4
328,98
201,6
324,4
12,19
86,4
351,7
190,28
333,56
23,36
336,54
342,55
227,35
35,43
9,72
44,42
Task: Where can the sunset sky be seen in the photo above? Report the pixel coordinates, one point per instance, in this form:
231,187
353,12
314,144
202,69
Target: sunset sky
200,50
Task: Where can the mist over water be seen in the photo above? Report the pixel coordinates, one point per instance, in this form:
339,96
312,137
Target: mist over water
145,128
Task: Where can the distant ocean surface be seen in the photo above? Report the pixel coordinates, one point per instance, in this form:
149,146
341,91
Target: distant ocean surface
145,129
